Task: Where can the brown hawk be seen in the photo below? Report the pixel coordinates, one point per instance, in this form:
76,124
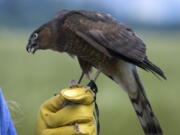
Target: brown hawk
99,40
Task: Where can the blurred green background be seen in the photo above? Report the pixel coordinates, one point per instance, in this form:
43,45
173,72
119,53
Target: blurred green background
31,79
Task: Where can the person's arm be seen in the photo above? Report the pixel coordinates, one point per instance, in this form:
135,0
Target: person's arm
6,124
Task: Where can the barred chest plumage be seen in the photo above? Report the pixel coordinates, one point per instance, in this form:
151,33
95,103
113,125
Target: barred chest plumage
80,48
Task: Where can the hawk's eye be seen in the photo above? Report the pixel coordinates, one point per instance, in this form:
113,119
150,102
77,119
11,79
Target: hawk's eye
35,36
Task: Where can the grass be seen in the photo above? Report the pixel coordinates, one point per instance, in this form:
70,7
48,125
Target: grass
30,80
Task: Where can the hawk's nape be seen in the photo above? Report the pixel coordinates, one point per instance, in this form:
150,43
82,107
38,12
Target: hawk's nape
98,40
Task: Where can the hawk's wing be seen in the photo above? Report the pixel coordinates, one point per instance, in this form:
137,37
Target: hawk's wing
101,30
110,37
122,43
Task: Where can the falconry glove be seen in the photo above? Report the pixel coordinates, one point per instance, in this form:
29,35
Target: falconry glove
71,112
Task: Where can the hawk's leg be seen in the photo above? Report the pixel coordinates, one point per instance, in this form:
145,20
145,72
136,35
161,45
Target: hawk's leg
74,84
96,75
81,77
86,69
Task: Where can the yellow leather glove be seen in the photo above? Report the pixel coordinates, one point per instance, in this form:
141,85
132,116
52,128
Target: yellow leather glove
68,113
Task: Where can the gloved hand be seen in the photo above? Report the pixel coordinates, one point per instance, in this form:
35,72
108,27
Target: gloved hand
68,113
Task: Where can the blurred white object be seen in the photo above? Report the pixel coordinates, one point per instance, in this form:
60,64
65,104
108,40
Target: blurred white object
146,11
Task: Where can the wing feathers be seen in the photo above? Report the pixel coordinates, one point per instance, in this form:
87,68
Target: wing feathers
153,68
120,42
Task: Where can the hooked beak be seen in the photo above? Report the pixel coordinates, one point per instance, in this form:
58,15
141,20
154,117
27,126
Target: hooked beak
32,48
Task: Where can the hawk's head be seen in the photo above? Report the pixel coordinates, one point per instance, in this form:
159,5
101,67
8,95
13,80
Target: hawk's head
40,39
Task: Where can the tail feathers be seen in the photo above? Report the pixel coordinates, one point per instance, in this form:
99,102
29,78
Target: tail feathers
146,116
144,111
149,66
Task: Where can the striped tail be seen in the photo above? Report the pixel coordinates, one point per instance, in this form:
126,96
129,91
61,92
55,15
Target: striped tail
144,111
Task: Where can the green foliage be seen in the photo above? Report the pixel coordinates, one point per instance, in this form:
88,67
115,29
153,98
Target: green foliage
30,80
